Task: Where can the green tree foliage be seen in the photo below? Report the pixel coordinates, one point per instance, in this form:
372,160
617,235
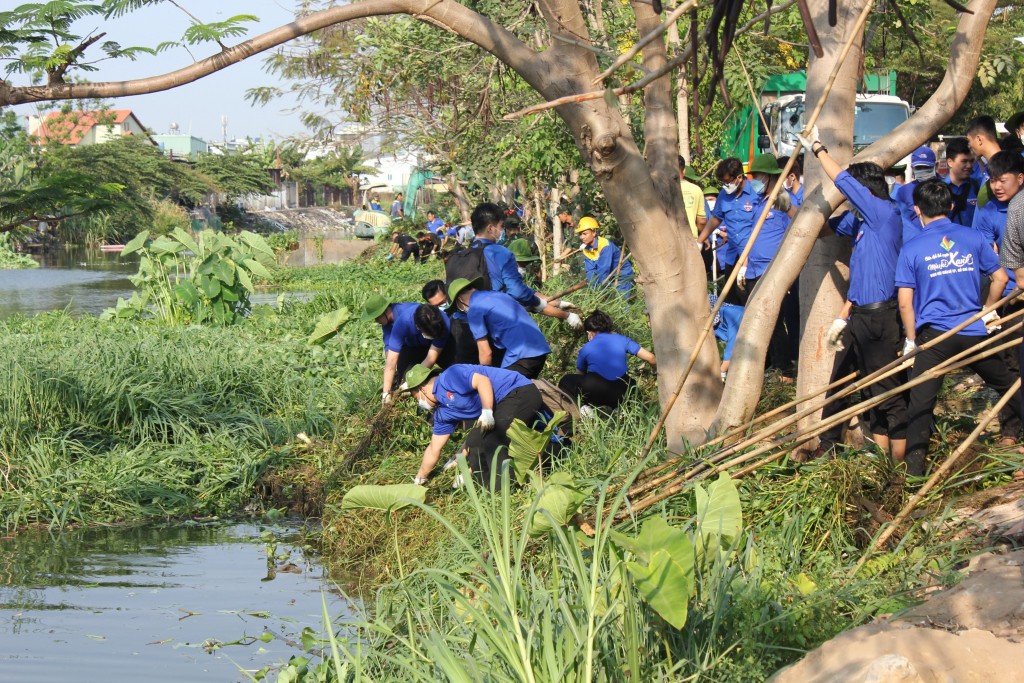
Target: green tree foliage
234,175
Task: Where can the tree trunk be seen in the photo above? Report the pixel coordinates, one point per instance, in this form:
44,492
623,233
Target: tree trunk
554,198
461,198
746,373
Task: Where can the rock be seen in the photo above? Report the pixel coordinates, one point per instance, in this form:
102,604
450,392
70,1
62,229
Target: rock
889,669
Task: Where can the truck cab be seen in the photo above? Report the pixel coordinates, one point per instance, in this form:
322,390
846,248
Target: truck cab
874,117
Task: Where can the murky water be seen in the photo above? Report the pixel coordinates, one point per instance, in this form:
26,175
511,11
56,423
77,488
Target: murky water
80,281
137,604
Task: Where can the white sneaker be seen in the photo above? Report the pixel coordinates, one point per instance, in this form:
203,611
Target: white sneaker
419,481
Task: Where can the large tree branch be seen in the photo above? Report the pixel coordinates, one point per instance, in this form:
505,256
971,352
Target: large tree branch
446,14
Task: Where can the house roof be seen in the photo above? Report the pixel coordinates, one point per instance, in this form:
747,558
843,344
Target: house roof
70,127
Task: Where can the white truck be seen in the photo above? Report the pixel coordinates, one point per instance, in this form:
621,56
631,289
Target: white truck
874,117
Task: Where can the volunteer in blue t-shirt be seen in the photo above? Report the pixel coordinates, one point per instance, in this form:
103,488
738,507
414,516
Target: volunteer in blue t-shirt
413,333
505,334
602,259
870,339
434,223
922,166
603,377
488,227
963,187
1006,170
493,397
733,215
937,277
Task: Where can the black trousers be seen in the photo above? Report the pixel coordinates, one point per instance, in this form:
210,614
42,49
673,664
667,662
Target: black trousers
593,389
922,397
527,367
871,340
466,351
784,348
411,355
486,451
413,251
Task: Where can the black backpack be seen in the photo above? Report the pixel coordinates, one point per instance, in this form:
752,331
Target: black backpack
468,263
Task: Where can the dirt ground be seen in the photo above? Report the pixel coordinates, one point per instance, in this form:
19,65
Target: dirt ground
971,633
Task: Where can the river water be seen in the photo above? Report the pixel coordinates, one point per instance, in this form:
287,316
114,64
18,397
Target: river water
124,605
80,281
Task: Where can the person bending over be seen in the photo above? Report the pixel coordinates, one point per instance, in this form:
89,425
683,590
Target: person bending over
603,377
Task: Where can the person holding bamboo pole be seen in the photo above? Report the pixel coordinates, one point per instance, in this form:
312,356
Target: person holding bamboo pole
867,334
1011,255
937,276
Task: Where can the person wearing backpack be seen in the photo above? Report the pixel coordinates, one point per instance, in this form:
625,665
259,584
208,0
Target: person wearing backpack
505,334
496,266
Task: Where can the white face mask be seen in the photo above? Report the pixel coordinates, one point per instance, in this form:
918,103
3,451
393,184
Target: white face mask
731,188
522,271
426,336
890,181
424,404
924,173
711,203
788,184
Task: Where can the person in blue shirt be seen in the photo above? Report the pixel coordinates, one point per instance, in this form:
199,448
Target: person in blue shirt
937,277
397,209
488,220
375,204
794,182
602,259
413,333
870,339
764,174
1006,175
603,379
922,165
434,223
964,188
733,216
505,334
492,397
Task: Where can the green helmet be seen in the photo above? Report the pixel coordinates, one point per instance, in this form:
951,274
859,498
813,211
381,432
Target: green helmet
520,248
765,163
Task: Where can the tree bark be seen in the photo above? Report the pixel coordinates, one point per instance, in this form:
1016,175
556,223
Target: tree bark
746,373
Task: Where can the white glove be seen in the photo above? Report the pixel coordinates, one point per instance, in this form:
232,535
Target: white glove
385,398
574,321
909,347
991,320
808,142
741,277
486,420
418,480
834,335
565,304
539,308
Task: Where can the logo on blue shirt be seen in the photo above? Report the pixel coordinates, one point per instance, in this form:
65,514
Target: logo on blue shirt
946,243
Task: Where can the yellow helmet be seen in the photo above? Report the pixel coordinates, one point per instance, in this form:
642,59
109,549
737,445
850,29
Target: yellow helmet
587,223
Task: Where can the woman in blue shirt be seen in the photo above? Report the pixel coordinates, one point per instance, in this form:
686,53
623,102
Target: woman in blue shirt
604,378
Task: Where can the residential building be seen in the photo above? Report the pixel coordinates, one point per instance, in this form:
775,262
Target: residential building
85,127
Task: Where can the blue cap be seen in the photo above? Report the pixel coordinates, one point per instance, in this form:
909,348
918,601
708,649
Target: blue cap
922,156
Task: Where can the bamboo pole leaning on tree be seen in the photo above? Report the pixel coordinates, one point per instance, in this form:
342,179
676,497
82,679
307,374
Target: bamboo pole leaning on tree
937,476
961,360
754,233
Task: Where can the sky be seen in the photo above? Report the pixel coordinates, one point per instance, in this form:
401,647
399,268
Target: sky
197,107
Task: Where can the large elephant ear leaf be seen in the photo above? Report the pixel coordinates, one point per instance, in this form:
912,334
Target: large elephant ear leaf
390,497
665,586
136,243
329,325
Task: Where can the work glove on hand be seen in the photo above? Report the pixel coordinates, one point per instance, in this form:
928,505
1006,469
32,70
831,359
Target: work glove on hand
486,420
991,320
909,347
741,278
385,398
574,321
541,305
565,304
809,140
419,481
834,335
389,257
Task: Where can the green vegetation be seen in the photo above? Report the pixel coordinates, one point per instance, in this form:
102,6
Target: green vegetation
10,259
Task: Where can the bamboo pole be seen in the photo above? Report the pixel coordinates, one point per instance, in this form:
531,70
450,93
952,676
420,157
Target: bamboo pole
937,476
800,437
878,375
756,102
753,235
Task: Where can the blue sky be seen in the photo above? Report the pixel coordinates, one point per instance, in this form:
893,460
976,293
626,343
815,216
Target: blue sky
196,107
